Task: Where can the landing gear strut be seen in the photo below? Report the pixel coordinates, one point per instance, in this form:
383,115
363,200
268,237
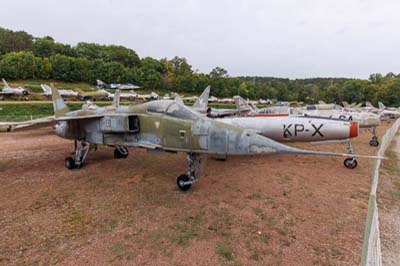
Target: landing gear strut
81,150
350,163
120,152
374,141
185,181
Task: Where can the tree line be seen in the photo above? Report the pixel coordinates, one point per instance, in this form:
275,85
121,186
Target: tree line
23,56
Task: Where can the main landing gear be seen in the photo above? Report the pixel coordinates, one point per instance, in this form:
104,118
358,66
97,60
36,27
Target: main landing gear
185,181
120,152
374,141
350,163
81,150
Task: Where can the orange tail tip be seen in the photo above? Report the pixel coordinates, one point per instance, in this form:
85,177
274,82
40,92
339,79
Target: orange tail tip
353,129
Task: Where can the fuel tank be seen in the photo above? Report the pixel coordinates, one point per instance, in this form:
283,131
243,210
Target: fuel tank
288,128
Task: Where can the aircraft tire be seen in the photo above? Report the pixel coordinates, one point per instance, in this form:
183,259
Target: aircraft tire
183,178
118,154
374,142
69,163
350,163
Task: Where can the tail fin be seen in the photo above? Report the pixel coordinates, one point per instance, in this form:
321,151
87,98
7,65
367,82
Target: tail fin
368,104
241,104
345,104
99,82
116,100
46,89
381,105
59,106
5,83
202,101
254,107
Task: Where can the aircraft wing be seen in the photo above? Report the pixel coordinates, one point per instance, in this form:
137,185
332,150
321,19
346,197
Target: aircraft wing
80,117
11,126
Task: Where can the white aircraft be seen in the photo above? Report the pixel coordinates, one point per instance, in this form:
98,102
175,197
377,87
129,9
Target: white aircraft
63,92
390,112
366,120
7,90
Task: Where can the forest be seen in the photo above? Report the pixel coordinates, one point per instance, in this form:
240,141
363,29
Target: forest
23,56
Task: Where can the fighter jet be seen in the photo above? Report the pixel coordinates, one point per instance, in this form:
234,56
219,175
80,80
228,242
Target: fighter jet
113,86
162,125
9,91
390,112
63,92
201,106
366,120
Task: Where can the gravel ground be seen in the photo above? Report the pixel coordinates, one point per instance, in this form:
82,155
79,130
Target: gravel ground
272,210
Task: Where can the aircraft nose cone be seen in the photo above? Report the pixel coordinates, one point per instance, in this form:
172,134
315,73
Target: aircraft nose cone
353,129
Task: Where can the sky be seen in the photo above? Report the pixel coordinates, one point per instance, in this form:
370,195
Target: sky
281,38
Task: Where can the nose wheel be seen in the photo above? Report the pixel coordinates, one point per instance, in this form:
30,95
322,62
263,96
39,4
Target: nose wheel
184,183
350,163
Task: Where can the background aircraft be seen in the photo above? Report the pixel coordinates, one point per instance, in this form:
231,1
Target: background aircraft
126,86
201,106
7,90
63,92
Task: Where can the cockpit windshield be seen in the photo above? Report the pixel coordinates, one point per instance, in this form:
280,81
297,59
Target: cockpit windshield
179,111
158,106
171,108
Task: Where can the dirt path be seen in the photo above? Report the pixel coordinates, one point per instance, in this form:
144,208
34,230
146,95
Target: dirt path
389,205
274,210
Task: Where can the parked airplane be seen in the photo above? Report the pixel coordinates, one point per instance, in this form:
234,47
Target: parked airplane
365,120
201,106
163,125
63,92
113,86
9,91
391,112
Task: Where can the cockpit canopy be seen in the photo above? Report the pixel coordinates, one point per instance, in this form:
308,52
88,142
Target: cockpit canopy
171,108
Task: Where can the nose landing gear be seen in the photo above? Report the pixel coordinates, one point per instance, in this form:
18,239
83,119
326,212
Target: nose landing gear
350,163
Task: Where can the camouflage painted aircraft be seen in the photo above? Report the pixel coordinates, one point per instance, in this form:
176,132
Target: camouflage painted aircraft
163,125
112,86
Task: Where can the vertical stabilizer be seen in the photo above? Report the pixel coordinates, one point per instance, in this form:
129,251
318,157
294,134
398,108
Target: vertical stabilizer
59,106
241,104
5,83
202,101
117,98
